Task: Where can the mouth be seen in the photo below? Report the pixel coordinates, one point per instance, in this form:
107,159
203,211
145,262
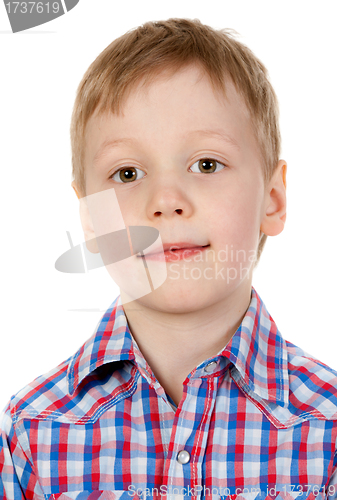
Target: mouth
173,247
176,251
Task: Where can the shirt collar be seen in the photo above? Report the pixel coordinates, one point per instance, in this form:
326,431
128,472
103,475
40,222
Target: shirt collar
259,353
111,341
257,350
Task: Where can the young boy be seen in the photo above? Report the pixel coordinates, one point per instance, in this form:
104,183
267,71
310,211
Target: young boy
188,390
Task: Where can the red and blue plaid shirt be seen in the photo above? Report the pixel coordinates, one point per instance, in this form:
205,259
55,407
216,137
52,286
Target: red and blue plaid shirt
256,421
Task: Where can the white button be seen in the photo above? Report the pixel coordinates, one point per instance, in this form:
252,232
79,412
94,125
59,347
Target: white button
183,457
210,367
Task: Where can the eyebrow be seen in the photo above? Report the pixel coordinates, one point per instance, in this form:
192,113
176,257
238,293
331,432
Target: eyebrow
217,134
111,144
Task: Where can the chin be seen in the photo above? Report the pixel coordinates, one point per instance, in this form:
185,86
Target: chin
179,299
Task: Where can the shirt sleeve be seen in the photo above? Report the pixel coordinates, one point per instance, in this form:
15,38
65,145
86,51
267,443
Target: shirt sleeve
17,478
331,490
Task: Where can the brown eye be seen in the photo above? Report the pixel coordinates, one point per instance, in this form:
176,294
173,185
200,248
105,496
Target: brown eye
207,166
128,174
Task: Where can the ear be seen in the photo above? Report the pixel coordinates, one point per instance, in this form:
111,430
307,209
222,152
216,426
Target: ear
86,222
73,185
274,212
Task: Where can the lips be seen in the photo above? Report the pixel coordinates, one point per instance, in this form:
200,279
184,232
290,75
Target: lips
173,247
181,246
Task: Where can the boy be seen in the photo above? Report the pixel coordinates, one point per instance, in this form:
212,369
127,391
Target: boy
189,390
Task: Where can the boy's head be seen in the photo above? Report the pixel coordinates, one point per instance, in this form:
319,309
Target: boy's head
172,100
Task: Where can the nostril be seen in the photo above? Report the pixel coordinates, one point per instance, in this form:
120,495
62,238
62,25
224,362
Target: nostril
178,210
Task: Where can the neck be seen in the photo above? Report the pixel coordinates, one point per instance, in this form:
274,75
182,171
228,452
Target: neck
173,344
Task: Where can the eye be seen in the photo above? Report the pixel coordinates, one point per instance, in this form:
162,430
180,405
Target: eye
207,166
127,174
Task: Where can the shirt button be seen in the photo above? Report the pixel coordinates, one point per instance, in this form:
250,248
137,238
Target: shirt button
210,367
183,457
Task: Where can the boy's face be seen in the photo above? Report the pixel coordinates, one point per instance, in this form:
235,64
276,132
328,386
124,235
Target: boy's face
164,132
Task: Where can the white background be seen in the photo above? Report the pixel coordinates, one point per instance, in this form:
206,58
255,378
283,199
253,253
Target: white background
40,71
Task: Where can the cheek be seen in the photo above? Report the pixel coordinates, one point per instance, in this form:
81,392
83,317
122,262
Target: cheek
236,220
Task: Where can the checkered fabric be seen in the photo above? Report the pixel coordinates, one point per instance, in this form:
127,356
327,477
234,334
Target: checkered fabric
259,423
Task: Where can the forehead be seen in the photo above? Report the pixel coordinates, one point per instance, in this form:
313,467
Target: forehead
170,108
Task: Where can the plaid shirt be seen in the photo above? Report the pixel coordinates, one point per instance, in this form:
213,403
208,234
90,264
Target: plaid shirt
256,421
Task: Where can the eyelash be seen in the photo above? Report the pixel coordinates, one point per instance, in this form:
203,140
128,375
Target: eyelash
196,162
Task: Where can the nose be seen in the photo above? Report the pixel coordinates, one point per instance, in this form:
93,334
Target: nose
168,201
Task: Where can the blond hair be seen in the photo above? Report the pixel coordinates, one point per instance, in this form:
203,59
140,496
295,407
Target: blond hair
142,53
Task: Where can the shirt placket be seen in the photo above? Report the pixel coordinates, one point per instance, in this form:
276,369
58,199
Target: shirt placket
183,466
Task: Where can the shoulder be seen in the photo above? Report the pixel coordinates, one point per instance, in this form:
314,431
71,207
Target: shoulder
312,384
43,395
48,397
39,400
300,362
